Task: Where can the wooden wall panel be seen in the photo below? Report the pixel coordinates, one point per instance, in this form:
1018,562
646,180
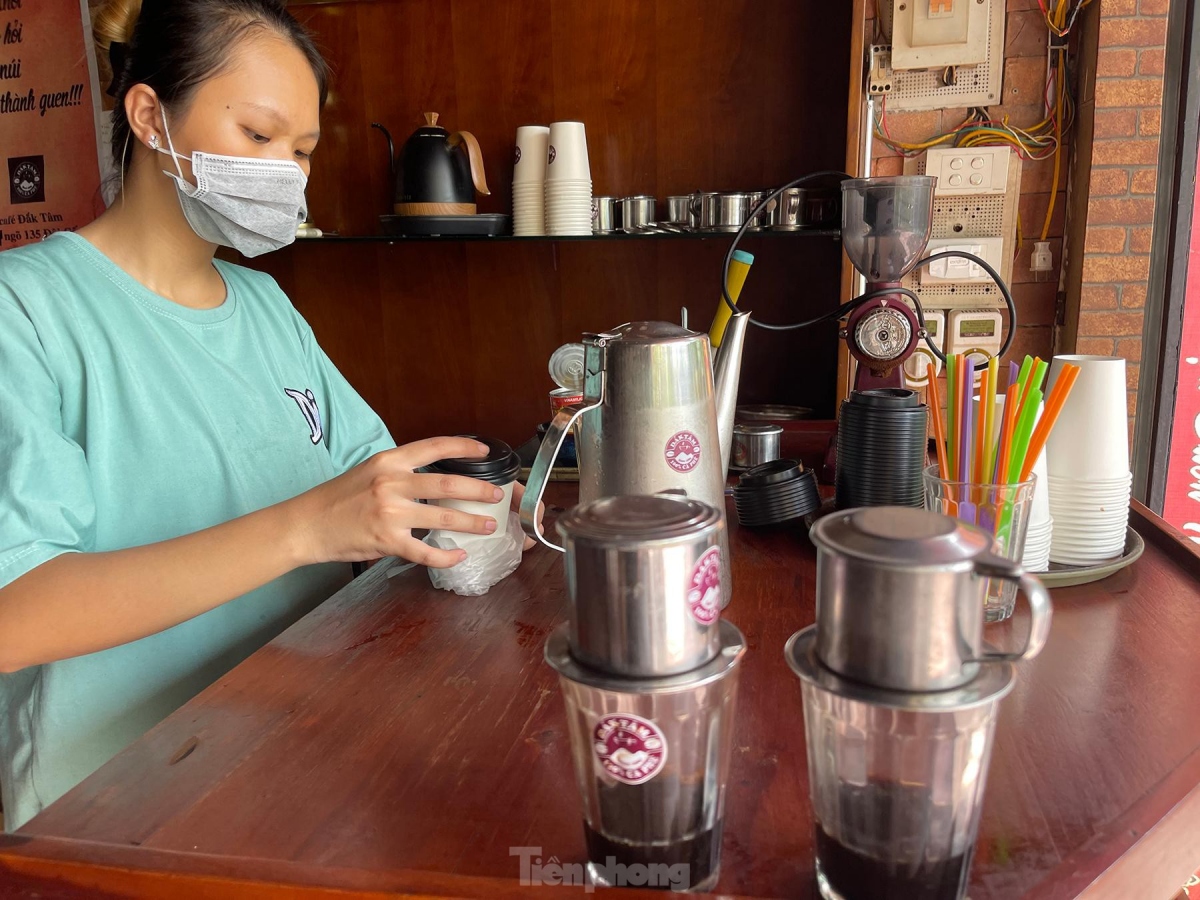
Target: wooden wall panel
676,94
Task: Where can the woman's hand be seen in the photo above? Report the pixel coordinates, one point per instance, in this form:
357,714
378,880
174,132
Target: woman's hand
370,511
518,493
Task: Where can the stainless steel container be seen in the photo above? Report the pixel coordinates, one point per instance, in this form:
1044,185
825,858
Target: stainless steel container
604,215
760,221
679,210
754,445
900,598
696,209
724,212
787,213
644,580
637,213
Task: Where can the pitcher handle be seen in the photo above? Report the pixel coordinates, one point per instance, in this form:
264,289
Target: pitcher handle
1036,596
539,473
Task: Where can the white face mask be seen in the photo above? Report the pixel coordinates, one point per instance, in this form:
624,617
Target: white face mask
252,205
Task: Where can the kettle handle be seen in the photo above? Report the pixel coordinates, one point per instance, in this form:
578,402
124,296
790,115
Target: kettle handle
539,473
1036,596
475,155
391,151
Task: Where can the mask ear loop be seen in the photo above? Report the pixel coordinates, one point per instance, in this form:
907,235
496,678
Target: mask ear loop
170,145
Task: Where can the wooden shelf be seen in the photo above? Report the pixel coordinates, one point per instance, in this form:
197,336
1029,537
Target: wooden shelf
832,233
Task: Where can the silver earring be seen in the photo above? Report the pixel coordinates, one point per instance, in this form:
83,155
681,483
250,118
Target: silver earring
154,143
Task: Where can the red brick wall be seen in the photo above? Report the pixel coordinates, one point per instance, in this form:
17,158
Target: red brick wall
1118,220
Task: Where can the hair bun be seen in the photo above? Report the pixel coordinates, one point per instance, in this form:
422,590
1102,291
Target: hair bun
114,22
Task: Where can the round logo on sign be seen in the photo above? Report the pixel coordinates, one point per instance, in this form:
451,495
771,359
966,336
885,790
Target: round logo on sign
631,749
683,451
553,153
518,159
704,595
26,180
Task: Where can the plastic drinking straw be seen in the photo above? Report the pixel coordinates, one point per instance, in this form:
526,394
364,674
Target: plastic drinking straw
1006,431
1035,379
978,461
739,268
1012,373
966,505
1022,378
964,418
939,429
1020,443
993,383
1054,406
951,417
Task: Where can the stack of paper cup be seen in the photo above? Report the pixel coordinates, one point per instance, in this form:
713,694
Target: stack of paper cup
1035,557
1087,459
529,180
568,181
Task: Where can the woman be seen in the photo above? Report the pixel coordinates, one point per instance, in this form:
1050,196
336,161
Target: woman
184,472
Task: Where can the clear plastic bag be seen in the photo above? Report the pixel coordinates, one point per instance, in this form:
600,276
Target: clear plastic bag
488,561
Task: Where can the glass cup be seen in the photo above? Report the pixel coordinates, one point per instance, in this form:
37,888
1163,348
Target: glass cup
651,761
1001,509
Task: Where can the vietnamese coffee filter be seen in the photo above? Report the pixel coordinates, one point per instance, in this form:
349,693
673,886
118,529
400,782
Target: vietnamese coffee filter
778,492
881,449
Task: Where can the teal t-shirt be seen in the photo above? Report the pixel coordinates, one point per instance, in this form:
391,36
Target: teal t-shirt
127,419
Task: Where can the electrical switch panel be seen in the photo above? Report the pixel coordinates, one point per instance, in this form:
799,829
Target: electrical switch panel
980,219
928,34
963,71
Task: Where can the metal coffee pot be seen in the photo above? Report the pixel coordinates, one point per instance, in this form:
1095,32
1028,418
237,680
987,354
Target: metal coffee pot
656,417
900,598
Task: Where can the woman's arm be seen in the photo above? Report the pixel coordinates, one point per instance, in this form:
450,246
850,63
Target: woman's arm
80,603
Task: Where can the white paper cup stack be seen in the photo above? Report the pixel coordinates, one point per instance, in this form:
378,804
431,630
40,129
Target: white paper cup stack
529,181
568,181
1036,555
1087,460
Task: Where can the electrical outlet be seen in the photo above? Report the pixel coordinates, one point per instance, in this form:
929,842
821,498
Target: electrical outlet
962,271
963,171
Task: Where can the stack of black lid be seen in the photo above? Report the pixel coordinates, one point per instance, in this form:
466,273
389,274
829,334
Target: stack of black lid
881,449
778,492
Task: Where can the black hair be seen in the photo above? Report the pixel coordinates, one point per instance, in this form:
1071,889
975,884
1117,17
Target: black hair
174,46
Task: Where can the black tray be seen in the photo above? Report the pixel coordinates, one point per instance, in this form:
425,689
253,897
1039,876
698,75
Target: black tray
481,225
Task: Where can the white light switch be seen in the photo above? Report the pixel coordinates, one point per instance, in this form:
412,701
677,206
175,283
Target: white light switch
969,170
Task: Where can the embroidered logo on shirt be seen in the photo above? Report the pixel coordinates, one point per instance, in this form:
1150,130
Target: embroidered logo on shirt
308,406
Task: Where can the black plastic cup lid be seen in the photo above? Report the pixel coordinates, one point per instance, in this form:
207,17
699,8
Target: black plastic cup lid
500,466
776,471
886,398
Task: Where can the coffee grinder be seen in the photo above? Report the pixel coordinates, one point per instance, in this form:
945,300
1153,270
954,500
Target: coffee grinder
886,223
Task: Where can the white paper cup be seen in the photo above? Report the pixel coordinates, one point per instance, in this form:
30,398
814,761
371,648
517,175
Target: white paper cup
567,154
1090,440
533,142
497,510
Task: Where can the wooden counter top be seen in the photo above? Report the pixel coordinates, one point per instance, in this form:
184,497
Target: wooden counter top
402,728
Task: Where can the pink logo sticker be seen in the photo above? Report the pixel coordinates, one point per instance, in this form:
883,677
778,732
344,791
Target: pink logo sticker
683,452
631,749
704,596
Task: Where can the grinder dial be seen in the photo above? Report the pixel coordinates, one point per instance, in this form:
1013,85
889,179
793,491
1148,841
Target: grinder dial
883,334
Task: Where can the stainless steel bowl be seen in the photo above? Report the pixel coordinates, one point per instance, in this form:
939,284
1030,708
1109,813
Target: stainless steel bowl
754,445
724,212
637,213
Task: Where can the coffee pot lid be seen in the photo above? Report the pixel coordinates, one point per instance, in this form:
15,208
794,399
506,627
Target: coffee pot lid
901,536
648,333
640,518
993,682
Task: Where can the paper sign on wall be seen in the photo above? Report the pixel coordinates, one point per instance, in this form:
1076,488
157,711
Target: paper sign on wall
48,112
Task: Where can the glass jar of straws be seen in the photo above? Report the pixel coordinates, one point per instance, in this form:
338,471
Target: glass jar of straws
984,473
1002,510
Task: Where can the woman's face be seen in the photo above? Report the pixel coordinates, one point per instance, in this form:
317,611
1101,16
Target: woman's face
264,104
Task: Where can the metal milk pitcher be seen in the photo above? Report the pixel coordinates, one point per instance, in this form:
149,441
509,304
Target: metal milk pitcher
655,418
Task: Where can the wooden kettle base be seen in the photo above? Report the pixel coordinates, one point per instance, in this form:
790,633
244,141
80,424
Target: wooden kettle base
434,209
